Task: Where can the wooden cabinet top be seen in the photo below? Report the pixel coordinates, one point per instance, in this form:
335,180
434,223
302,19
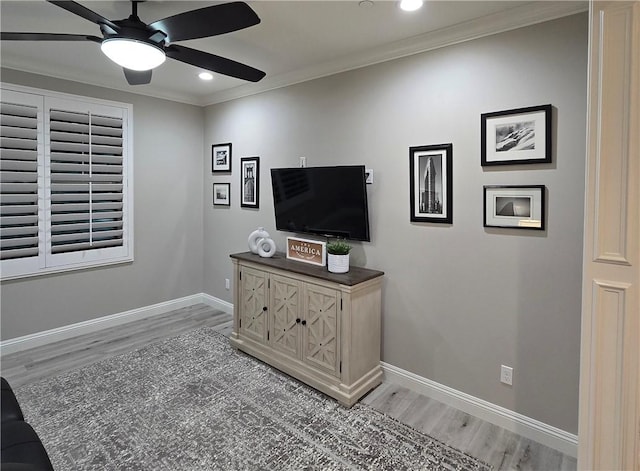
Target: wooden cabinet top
354,276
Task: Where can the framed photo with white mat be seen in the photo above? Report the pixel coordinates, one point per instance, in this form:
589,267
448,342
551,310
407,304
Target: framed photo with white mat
515,207
516,137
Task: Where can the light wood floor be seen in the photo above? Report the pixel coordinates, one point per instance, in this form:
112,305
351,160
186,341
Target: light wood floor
496,446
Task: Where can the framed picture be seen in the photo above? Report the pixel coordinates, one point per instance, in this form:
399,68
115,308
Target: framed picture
250,182
221,158
222,194
431,185
520,136
515,207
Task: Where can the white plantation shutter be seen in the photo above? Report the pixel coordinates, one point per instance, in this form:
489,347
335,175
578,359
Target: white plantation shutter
21,202
82,183
86,181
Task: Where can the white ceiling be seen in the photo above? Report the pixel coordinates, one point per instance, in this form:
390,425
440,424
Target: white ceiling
296,40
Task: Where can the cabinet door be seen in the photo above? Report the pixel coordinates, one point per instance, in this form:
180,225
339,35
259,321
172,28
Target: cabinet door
320,338
283,313
253,299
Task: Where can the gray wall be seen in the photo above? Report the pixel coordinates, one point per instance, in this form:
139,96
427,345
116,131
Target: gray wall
168,149
459,300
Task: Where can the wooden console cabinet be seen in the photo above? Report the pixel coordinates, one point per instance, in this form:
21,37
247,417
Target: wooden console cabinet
319,327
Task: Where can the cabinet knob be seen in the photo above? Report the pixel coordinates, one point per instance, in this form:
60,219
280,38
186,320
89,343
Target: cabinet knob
298,321
264,308
304,322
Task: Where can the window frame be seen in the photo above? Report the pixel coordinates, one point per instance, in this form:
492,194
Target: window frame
46,263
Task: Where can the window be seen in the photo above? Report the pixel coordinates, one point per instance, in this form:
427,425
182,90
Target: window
66,182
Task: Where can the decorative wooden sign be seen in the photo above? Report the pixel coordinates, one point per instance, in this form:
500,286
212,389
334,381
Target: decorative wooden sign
307,251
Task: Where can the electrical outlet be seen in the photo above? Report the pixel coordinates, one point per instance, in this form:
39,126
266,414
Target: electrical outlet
506,375
226,283
303,161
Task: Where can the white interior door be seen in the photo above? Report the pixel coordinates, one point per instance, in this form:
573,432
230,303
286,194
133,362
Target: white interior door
609,430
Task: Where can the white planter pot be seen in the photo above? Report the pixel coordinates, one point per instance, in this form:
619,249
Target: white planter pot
338,263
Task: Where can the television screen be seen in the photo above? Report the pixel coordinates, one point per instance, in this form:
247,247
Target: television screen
330,201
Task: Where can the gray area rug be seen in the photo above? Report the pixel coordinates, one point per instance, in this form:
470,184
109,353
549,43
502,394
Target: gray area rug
194,403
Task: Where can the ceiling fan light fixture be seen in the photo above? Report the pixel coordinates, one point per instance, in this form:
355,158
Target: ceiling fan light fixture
132,54
410,5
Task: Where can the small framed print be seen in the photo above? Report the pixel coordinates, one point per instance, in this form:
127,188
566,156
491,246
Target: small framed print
250,182
222,194
431,183
515,207
221,158
518,136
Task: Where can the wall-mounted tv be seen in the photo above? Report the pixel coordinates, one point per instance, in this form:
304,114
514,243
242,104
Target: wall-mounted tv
329,201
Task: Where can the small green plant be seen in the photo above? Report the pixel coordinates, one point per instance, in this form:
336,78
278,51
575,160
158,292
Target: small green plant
339,247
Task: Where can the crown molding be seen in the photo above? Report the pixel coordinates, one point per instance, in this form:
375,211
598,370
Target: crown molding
15,63
507,20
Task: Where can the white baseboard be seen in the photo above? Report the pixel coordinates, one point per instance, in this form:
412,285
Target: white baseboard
530,428
217,303
46,337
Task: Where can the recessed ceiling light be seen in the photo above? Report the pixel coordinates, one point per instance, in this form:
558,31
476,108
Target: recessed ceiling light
365,3
205,76
410,5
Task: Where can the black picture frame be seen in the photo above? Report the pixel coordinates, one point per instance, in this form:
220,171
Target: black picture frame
516,137
431,183
222,194
221,158
514,206
250,182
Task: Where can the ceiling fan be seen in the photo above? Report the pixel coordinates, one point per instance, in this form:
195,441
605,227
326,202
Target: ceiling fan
139,47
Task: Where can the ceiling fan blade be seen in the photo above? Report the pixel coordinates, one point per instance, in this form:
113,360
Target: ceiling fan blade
208,21
214,63
47,37
85,13
137,77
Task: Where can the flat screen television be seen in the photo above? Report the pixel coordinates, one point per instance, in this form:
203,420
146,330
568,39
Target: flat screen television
329,201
